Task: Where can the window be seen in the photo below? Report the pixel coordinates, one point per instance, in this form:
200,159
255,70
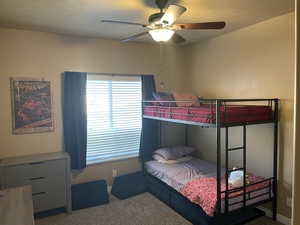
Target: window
114,115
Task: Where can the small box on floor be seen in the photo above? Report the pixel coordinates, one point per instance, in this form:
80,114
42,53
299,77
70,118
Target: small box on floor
89,194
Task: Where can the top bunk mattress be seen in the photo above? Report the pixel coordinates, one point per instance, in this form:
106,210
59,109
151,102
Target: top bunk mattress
207,114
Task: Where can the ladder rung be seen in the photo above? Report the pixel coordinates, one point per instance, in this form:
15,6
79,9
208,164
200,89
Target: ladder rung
229,171
234,149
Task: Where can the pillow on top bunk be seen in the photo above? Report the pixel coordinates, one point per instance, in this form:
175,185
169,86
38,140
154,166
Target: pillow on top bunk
163,96
174,153
186,97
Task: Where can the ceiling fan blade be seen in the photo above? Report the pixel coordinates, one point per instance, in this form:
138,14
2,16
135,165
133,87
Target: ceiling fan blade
201,26
177,39
123,22
133,37
172,14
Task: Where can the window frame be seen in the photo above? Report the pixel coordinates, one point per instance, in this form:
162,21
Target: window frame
116,77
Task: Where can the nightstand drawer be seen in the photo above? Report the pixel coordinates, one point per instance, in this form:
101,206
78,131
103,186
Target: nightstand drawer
30,173
43,201
48,184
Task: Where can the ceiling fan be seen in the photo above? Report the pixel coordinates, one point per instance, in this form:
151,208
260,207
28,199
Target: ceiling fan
162,27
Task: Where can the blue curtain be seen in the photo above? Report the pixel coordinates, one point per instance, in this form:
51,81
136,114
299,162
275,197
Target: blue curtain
75,117
148,87
150,133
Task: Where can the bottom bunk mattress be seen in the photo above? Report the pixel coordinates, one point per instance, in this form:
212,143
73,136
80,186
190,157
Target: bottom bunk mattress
196,180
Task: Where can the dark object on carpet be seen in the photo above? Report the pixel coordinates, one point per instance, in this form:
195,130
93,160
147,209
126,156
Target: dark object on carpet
129,185
89,194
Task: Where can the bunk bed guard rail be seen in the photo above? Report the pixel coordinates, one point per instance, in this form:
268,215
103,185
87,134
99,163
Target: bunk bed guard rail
225,113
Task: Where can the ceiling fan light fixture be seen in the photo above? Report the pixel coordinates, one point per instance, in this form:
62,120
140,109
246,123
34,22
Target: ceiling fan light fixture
162,25
161,35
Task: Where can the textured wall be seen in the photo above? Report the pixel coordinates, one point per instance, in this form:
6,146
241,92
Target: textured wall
253,62
46,55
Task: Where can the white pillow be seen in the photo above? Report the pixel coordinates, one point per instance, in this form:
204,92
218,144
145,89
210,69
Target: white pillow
158,157
180,160
174,153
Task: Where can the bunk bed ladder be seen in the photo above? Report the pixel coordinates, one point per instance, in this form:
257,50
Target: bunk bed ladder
228,171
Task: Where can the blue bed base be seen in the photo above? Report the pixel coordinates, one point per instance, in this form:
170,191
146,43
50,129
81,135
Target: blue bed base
193,212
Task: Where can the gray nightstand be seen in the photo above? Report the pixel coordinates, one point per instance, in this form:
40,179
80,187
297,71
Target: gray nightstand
48,174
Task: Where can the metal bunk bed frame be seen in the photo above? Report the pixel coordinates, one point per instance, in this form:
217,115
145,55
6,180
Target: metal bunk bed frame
274,104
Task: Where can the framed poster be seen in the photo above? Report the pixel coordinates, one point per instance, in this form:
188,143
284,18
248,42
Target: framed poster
31,106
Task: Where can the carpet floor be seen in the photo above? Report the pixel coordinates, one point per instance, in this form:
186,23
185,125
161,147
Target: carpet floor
143,209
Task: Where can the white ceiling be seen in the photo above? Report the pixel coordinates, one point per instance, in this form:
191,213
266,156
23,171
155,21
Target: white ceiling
82,17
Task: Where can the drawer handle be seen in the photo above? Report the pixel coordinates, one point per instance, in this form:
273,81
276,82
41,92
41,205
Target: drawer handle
36,163
37,178
38,193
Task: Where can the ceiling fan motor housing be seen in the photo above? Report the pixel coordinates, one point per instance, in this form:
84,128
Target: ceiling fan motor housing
155,18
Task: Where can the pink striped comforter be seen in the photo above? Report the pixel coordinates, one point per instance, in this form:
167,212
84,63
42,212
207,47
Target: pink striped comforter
203,191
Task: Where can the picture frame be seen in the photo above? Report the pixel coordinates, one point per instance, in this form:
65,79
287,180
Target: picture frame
31,103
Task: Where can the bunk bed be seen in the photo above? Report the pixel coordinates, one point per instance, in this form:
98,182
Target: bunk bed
217,114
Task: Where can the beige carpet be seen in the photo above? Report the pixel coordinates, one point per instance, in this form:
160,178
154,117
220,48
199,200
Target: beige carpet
140,210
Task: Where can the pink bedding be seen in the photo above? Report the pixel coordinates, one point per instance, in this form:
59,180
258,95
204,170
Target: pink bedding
203,191
204,114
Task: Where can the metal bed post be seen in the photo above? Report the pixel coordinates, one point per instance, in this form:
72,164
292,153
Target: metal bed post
218,134
275,159
226,170
244,166
159,133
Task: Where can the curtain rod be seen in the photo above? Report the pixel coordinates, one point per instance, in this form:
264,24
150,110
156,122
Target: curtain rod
116,74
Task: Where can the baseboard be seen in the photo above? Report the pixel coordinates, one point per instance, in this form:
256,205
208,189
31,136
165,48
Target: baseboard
280,218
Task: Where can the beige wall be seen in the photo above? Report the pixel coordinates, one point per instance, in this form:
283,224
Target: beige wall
254,62
46,55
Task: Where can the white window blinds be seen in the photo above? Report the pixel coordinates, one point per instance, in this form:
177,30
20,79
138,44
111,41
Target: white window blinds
114,117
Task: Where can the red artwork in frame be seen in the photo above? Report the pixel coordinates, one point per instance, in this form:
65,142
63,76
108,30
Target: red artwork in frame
31,106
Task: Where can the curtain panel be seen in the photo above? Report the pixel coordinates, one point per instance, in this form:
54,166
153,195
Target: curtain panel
150,128
75,117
